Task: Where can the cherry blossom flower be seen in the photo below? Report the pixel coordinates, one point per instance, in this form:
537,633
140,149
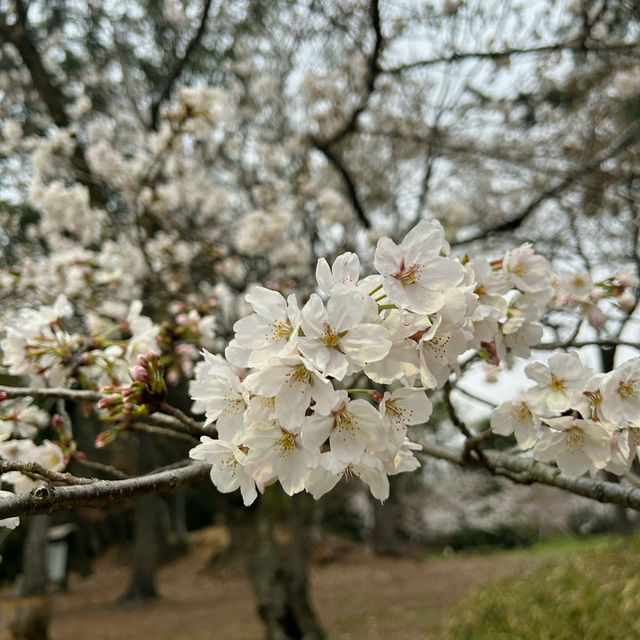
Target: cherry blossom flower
350,425
575,444
218,393
621,393
344,272
331,470
294,382
560,384
227,467
414,274
272,330
275,452
525,269
519,418
336,340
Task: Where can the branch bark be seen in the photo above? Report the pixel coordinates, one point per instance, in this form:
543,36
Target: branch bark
47,498
574,45
527,470
349,126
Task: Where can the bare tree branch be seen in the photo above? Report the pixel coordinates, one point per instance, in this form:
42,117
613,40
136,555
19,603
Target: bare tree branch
527,471
630,135
77,395
349,126
179,66
599,342
38,472
574,45
47,498
162,431
99,467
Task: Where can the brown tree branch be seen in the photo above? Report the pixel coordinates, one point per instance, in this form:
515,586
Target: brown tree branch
47,498
527,471
574,45
179,67
38,472
349,126
99,467
162,432
78,395
630,135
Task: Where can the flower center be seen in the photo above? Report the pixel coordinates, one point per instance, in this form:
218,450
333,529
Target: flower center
299,374
279,330
626,388
408,275
522,412
286,444
574,439
331,338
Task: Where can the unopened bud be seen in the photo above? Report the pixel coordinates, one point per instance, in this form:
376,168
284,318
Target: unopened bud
106,403
3,395
104,438
143,360
58,422
139,373
627,301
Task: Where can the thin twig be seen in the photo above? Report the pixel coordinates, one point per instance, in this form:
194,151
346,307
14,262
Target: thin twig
100,467
38,472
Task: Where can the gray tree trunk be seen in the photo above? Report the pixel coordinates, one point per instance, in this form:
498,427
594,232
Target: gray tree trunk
277,562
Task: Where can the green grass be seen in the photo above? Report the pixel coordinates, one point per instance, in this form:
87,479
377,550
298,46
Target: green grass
590,591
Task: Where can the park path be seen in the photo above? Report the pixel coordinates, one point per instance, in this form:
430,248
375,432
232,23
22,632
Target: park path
357,596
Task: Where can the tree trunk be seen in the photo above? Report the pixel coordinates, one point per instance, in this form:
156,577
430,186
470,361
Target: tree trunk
385,537
277,561
28,615
34,558
143,577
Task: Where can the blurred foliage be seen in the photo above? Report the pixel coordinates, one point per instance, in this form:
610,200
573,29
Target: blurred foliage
590,592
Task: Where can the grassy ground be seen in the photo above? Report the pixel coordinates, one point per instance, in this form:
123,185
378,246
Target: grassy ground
588,589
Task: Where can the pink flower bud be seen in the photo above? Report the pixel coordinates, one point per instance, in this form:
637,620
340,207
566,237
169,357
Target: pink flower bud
143,360
106,403
627,301
139,373
104,438
3,395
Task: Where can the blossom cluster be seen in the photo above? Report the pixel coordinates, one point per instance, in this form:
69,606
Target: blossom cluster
40,344
294,399
581,420
577,290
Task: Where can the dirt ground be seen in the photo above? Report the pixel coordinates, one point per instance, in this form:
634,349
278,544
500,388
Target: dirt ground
357,596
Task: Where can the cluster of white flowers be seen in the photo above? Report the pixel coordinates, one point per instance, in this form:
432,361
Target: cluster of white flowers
577,290
39,345
281,397
583,421
48,454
